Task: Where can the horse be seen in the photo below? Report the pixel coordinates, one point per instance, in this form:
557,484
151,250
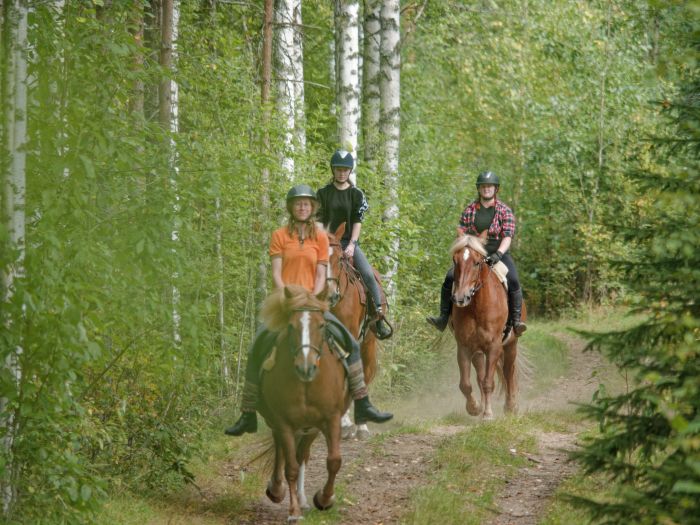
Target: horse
303,392
346,292
479,316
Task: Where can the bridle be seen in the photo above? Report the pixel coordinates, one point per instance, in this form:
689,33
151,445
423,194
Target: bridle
306,347
480,280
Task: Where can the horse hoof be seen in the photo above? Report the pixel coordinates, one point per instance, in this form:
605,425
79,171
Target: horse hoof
362,433
473,408
487,417
348,432
323,507
273,498
294,519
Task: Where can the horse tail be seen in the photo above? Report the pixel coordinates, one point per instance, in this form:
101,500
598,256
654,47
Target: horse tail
265,456
524,369
501,377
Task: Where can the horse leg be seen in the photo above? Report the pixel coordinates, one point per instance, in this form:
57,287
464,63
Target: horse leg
303,454
348,428
509,371
291,472
479,362
492,356
275,490
464,363
325,497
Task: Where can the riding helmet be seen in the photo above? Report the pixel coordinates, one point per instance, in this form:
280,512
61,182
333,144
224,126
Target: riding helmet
487,177
342,159
301,190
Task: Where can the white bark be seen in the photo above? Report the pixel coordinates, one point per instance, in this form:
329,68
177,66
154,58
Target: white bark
290,79
14,206
370,80
390,127
347,52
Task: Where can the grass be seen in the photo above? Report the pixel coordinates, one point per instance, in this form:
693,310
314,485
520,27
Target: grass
471,468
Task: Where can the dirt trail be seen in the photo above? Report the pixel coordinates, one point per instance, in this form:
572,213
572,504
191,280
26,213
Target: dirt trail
377,479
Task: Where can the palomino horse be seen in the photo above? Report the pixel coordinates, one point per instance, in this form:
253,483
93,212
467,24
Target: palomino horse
345,292
303,392
479,315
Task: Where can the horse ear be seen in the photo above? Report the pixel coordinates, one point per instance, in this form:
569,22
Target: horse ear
484,234
323,294
288,293
340,230
459,232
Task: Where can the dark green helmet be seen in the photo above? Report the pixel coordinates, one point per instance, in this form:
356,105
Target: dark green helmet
342,159
487,177
301,190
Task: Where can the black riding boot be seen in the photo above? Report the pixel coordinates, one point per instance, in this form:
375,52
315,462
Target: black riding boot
515,306
248,422
445,308
365,411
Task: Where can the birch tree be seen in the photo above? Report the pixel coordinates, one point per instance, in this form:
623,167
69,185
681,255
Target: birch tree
347,53
370,79
290,84
15,125
390,65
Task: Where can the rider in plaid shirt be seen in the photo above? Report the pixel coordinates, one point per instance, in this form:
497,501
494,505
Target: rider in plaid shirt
488,213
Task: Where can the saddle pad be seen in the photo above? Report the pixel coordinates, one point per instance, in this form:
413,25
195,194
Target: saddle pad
501,270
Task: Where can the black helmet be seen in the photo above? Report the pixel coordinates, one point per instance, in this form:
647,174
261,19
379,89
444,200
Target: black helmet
342,159
301,190
487,177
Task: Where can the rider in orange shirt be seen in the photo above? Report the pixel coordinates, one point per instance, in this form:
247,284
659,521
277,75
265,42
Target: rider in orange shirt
299,255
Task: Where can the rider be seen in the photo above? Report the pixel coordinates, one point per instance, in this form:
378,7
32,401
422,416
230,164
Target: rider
299,255
342,202
488,213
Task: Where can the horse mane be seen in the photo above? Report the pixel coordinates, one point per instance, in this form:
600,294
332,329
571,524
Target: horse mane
468,241
277,308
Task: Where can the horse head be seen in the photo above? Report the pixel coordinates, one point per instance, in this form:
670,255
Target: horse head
306,337
335,252
468,257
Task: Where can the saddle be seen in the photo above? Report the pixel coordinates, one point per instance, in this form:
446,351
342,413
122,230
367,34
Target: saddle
371,315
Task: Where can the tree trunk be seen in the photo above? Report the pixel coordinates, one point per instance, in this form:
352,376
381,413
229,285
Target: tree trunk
370,81
15,115
168,118
290,75
390,90
347,53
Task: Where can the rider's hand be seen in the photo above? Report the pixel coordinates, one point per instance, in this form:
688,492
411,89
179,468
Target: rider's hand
350,250
494,258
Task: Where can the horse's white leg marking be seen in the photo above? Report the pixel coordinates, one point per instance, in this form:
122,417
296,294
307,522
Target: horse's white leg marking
362,431
347,428
301,493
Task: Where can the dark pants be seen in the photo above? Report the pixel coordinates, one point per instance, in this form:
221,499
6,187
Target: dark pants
362,265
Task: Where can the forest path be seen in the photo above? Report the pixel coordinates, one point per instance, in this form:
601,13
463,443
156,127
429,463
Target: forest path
375,482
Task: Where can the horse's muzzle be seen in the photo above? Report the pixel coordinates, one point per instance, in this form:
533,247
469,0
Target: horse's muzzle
463,300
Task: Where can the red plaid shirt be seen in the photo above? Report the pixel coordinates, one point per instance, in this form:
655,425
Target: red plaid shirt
503,224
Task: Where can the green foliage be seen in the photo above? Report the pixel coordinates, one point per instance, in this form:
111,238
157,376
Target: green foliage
650,435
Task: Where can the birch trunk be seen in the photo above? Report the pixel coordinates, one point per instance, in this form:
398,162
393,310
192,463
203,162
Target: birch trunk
168,118
347,53
370,81
389,86
16,16
290,75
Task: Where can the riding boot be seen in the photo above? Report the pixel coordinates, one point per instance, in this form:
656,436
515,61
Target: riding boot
515,305
364,410
248,422
441,321
382,328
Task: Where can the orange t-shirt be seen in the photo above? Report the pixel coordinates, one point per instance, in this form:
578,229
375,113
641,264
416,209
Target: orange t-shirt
299,260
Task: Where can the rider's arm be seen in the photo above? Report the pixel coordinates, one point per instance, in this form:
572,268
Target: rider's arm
320,282
354,237
505,244
277,271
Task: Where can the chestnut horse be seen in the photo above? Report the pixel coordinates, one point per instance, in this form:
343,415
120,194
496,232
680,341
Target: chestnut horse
479,315
345,292
303,392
